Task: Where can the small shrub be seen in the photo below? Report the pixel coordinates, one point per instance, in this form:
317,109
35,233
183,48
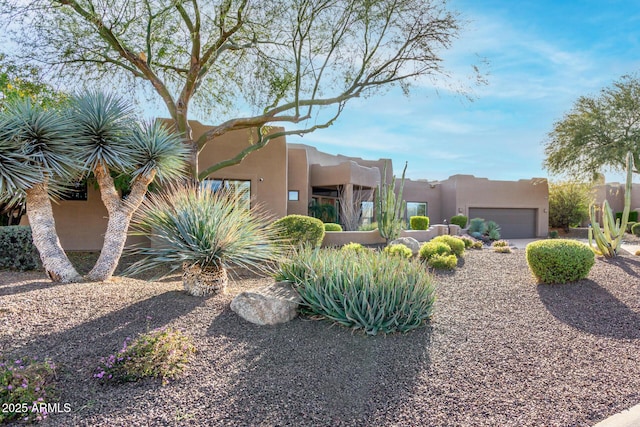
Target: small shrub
16,248
368,291
636,229
368,227
332,226
502,249
161,353
26,387
432,248
300,230
399,250
630,225
477,245
553,234
459,220
419,222
476,235
500,243
356,247
559,260
443,262
456,244
467,241
477,225
638,252
493,230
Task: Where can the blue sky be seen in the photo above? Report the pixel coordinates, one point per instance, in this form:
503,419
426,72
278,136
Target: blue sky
541,56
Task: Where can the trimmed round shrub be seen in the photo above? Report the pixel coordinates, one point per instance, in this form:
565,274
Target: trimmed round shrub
559,260
432,248
553,234
399,250
459,220
301,230
443,262
332,226
456,244
368,291
638,252
477,245
500,243
356,247
636,229
419,222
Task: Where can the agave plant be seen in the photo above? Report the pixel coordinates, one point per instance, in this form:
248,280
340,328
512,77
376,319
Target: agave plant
204,233
40,141
110,141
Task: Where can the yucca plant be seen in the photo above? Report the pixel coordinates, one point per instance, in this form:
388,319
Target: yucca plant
204,233
110,141
367,290
36,156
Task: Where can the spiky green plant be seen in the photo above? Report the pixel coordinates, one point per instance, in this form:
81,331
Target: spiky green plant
196,226
389,206
366,290
43,143
609,238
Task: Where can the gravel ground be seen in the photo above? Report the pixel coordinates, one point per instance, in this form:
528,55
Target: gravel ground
500,350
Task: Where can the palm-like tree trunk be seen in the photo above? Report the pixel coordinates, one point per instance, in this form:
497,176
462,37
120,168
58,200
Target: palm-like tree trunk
120,213
43,229
199,282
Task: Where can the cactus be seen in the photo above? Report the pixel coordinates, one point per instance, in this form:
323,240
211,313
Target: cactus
389,207
609,237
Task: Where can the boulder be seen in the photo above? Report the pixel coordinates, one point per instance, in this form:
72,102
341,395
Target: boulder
270,305
409,242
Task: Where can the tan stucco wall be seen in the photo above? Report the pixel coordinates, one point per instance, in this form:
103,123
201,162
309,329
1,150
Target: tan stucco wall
424,191
298,180
81,224
472,192
266,168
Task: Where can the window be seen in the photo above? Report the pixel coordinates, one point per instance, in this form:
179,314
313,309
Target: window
242,188
77,190
416,209
367,213
294,195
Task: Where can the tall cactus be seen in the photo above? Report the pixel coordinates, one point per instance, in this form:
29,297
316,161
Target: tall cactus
609,237
389,206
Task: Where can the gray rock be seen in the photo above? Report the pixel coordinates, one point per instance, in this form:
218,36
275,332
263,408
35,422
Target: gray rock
270,305
409,242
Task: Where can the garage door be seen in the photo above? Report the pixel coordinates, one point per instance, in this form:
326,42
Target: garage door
514,223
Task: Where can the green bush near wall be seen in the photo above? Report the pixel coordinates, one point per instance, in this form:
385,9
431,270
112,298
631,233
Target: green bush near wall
332,226
301,230
419,222
16,248
459,220
633,216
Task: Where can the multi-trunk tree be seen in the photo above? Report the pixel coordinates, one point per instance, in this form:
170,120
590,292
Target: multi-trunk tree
293,62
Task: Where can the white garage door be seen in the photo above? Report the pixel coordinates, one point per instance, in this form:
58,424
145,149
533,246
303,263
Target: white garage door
514,223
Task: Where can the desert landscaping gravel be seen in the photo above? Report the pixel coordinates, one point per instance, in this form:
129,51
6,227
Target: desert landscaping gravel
500,350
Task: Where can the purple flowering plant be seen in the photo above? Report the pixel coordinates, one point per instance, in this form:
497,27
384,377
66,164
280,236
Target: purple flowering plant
25,384
161,353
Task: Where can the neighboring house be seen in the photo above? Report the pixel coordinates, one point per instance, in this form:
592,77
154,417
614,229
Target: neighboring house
288,178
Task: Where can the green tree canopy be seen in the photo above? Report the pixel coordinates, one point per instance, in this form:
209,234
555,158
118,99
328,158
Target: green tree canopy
279,61
21,82
598,132
569,203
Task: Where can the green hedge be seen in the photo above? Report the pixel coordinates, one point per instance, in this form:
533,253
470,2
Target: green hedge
559,260
419,222
332,226
459,220
301,230
16,248
633,216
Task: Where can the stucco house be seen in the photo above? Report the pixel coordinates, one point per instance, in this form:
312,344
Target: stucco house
286,178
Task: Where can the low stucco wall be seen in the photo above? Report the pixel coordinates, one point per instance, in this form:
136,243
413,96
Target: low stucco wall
340,238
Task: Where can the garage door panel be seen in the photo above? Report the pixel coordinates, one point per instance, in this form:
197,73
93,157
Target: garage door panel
515,223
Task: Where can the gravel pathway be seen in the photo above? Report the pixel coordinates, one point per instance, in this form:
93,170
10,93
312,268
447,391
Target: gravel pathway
500,350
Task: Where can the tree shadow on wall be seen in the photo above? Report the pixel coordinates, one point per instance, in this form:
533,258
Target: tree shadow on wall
589,307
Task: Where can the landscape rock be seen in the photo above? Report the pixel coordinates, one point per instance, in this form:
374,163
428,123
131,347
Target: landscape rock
409,242
270,305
